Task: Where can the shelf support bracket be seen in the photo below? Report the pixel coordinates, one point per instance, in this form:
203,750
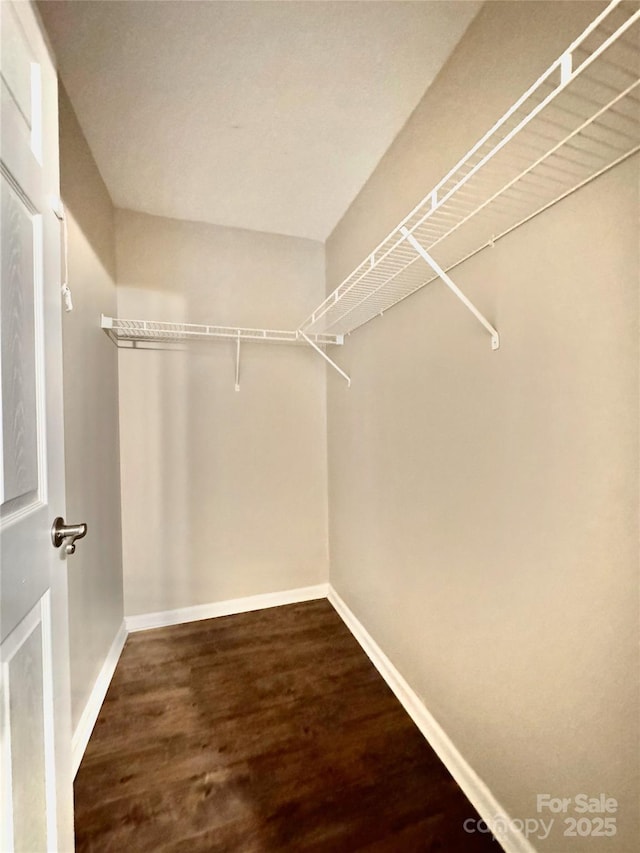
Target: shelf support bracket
435,266
327,359
238,363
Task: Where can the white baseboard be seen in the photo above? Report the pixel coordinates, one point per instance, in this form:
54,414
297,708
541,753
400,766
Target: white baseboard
470,783
89,716
224,608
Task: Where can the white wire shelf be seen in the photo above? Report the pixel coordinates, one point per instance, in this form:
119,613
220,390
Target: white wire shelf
579,119
131,333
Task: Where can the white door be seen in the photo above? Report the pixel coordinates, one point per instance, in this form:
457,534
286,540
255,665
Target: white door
35,776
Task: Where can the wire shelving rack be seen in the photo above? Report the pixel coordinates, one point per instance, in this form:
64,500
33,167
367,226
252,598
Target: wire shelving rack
579,119
129,333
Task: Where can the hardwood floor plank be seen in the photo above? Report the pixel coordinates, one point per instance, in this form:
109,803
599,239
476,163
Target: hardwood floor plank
264,731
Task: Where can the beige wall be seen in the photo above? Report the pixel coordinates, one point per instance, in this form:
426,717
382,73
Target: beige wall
91,413
484,506
224,493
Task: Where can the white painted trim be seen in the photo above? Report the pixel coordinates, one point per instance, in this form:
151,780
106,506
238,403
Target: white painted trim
161,619
48,697
89,716
468,780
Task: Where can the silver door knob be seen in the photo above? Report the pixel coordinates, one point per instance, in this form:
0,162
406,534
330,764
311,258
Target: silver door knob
67,533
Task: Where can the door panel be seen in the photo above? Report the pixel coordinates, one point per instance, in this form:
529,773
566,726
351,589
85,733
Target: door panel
27,687
18,295
35,777
16,72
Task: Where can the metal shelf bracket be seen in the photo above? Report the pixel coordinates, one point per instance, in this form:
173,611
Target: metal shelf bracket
435,266
326,358
238,363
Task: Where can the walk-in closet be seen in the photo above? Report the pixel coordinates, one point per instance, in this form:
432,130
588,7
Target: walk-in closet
320,343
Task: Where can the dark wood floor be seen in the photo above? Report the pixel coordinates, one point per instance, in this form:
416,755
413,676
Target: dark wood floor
265,731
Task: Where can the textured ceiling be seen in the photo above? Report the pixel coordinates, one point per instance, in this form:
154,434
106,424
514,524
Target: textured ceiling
262,115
